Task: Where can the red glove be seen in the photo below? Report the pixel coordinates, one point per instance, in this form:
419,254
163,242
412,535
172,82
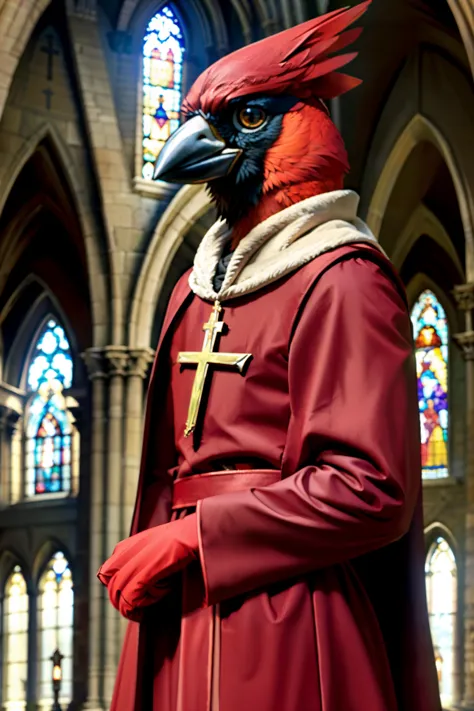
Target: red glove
138,571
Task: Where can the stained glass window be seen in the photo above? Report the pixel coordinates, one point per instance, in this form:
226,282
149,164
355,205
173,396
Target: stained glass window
163,51
441,590
55,629
48,426
431,344
15,642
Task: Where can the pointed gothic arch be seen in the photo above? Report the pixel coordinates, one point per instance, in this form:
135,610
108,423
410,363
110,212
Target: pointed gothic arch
460,9
46,132
15,31
36,215
42,305
189,204
424,221
419,129
48,139
135,14
43,555
436,529
430,104
9,558
464,16
421,282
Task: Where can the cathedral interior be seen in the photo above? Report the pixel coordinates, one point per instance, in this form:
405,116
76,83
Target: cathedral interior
91,247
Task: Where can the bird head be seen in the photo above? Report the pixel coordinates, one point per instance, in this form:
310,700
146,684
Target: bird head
256,127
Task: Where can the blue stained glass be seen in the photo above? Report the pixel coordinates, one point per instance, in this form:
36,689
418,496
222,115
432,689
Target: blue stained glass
163,51
52,359
430,331
160,114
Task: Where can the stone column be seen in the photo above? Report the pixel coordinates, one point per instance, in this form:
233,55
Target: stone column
4,461
464,295
15,453
117,366
9,420
32,683
94,360
117,375
138,366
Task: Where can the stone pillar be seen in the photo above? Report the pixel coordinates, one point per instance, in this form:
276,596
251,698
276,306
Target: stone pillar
15,454
139,363
97,596
117,374
464,295
4,461
32,683
9,420
117,366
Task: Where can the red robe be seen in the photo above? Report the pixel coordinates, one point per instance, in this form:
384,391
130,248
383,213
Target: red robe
314,584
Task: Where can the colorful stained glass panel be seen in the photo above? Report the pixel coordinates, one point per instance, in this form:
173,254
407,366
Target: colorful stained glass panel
163,51
48,448
441,591
431,348
48,427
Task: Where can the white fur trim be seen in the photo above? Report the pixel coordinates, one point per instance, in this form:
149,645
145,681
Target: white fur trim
279,245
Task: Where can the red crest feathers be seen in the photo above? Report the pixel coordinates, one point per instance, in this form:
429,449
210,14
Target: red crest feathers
297,61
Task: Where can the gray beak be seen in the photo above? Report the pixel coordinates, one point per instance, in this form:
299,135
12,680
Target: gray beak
194,154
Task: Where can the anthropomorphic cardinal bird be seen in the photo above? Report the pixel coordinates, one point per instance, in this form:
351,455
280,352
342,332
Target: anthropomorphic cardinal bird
257,126
276,555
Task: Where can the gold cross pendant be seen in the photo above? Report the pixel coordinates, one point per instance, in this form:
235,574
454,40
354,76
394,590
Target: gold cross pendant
203,359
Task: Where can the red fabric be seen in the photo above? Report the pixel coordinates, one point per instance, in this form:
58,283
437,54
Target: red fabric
318,578
138,571
356,491
188,490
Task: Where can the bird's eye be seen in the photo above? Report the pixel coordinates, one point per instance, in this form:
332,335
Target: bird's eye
250,118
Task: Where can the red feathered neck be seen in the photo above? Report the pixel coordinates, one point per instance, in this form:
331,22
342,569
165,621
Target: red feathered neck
308,158
297,61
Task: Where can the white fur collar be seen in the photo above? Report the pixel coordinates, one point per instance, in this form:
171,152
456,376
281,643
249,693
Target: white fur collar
279,245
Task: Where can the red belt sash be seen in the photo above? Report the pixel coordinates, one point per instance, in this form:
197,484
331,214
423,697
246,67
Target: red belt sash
188,490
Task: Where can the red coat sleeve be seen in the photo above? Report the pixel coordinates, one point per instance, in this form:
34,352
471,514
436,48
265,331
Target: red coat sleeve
352,461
